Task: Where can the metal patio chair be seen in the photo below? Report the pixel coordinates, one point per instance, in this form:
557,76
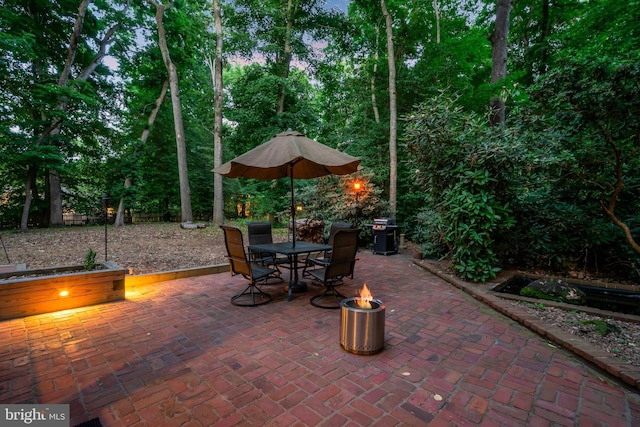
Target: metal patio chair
322,259
341,264
254,272
260,233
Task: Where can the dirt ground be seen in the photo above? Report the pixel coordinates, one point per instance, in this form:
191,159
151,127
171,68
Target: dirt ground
157,247
140,248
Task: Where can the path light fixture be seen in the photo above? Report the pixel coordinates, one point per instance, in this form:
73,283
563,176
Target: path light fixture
105,208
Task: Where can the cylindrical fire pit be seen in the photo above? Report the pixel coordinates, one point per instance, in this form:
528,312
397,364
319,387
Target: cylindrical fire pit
361,329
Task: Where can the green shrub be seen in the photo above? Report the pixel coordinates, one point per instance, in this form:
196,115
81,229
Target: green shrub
428,231
90,260
465,165
602,328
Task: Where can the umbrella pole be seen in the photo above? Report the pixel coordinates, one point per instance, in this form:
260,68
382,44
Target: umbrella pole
293,207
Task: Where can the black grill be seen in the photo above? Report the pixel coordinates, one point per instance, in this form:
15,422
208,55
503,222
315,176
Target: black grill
385,236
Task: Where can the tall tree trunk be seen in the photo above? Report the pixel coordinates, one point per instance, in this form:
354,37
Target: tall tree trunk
54,190
376,57
499,46
55,187
286,60
55,193
43,213
143,140
185,192
28,187
30,182
55,198
218,194
436,9
393,113
545,30
119,222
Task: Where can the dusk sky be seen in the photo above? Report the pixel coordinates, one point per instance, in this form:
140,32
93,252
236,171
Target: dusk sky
341,4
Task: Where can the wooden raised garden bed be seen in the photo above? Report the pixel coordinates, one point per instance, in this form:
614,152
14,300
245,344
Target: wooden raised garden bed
28,292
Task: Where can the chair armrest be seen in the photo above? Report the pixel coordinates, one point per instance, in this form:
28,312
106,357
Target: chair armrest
318,261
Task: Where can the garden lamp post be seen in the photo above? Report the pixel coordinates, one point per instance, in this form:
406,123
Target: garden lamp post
105,208
357,188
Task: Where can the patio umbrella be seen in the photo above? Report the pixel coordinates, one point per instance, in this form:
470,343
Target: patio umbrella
290,154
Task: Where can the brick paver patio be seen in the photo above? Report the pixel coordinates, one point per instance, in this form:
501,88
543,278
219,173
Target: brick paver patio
178,353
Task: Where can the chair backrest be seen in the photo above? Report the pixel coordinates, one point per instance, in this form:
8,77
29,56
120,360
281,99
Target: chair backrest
343,253
335,226
259,232
235,251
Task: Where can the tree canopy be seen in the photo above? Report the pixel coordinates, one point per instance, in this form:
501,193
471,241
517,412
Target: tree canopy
557,184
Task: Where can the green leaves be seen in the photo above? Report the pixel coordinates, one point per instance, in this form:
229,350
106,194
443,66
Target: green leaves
474,215
465,165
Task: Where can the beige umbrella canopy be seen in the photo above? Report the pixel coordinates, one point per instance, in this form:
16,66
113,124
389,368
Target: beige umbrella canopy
290,154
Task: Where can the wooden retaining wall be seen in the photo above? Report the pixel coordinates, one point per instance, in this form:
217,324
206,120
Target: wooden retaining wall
26,296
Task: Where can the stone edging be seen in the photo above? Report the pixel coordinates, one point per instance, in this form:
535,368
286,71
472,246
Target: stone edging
629,374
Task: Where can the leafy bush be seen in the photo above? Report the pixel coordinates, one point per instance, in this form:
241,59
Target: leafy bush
428,230
332,198
473,215
536,192
464,165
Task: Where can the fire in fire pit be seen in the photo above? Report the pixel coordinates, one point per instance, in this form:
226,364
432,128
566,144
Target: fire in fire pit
365,298
362,323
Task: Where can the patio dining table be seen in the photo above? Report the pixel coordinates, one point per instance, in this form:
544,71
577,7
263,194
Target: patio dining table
292,252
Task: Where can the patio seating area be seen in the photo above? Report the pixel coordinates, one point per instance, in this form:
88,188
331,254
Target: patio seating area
179,353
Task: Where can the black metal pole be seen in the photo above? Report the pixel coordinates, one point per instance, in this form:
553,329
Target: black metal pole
105,207
5,250
293,206
357,206
105,235
357,221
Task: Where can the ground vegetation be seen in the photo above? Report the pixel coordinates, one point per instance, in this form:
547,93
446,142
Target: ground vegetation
620,338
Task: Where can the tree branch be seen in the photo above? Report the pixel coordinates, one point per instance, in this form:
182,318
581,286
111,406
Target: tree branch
73,43
610,209
47,132
102,51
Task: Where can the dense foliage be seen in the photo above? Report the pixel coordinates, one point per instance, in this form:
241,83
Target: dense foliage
467,167
555,186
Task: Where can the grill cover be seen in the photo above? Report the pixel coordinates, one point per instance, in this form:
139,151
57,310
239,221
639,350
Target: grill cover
384,239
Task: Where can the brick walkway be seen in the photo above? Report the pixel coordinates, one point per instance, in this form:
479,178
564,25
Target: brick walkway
178,353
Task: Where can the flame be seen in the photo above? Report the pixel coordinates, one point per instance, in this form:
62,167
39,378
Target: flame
365,298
